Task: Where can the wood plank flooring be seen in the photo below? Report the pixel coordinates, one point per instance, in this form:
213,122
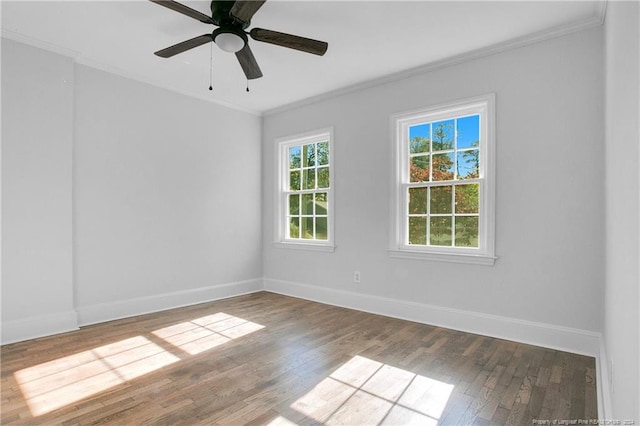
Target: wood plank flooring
269,359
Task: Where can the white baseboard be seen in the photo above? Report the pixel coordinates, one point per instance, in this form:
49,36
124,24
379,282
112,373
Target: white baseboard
550,336
103,312
604,389
534,333
38,326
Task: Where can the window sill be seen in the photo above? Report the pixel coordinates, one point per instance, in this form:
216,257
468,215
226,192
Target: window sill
473,259
329,248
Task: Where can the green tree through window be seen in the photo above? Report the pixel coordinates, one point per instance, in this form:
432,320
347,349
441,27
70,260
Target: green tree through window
444,211
443,194
306,201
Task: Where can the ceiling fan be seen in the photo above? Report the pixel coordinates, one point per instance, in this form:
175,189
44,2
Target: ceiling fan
232,19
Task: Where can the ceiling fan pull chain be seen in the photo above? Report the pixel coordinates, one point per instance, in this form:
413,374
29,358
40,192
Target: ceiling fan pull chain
211,68
247,85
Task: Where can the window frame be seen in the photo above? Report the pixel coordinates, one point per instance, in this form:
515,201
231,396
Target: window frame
484,106
283,191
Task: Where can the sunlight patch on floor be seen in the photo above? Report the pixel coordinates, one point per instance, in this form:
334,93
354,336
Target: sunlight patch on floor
207,332
64,381
364,391
281,421
55,384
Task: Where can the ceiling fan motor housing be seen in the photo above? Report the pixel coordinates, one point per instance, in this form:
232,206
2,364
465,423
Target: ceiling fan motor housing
221,15
233,17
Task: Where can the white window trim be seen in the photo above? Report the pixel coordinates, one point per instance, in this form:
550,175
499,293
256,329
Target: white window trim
281,217
483,255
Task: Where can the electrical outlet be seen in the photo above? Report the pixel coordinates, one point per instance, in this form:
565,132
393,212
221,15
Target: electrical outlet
356,276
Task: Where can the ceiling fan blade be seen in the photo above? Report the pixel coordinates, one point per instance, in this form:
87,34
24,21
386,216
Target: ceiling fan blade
245,9
185,10
184,46
291,41
248,63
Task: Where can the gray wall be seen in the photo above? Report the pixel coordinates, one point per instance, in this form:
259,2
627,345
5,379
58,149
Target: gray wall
37,134
119,197
549,188
621,303
167,191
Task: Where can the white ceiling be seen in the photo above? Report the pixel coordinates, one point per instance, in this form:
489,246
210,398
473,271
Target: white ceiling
368,40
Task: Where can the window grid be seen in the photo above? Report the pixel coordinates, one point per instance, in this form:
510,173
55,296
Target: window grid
429,214
311,191
454,182
444,182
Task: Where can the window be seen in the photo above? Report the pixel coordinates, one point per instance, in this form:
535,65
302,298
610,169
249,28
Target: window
305,217
444,161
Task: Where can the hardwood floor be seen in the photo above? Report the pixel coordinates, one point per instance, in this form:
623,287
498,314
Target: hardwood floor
270,359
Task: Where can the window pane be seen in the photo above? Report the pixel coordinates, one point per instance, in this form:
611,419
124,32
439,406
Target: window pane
323,153
440,231
307,204
468,132
418,230
419,169
417,200
418,145
443,135
308,155
294,204
294,180
442,167
294,157
440,199
468,164
294,227
321,228
467,197
307,228
304,198
309,179
321,203
323,177
419,138
466,231
441,179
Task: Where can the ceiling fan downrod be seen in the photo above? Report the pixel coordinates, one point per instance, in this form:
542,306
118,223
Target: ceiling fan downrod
232,19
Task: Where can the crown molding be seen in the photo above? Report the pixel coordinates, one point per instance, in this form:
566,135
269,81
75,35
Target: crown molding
78,58
541,36
81,60
40,44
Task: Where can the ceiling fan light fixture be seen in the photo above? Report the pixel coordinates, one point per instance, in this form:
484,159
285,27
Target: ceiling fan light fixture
232,19
229,41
